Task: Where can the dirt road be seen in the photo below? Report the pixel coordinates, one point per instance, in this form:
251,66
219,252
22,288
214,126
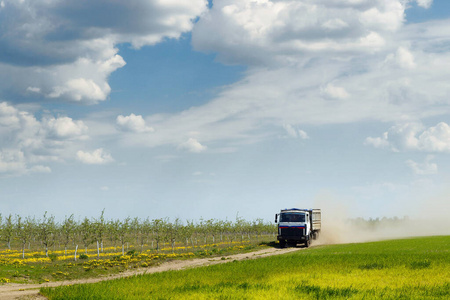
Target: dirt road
31,291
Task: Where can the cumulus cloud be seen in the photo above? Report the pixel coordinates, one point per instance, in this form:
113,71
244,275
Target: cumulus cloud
192,145
133,123
301,54
68,52
255,32
413,136
27,143
405,59
97,157
314,62
12,161
425,3
65,127
425,168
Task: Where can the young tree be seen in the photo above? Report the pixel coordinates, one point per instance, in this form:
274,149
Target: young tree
68,231
231,229
112,228
145,229
158,231
202,228
172,232
212,228
258,227
46,232
185,233
86,230
8,230
123,230
190,232
135,229
240,226
24,230
99,231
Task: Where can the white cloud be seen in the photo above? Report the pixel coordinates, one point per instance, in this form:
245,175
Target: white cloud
40,169
385,72
97,157
296,65
413,136
405,58
378,142
27,143
12,161
133,123
435,139
294,132
336,92
335,24
386,15
68,52
33,89
425,168
192,145
303,135
65,127
424,3
79,89
272,32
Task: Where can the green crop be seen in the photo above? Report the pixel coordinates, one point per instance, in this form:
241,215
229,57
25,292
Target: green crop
417,268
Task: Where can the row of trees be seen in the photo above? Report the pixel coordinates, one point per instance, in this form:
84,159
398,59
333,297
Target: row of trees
46,232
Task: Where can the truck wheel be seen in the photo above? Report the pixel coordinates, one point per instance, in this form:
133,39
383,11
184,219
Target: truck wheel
307,243
282,244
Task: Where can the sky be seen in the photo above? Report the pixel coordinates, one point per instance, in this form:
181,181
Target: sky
212,109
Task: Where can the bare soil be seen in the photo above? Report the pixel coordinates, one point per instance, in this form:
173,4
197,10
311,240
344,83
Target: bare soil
31,291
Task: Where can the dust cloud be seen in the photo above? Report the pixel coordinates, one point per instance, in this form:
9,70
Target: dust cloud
422,218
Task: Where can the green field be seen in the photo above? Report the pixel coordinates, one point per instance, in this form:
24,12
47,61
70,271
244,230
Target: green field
417,268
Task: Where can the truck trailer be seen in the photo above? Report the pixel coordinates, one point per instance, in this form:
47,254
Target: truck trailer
296,225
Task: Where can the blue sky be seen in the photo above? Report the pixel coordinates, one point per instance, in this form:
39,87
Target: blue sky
183,109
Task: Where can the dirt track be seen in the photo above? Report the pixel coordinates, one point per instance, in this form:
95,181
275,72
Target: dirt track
31,291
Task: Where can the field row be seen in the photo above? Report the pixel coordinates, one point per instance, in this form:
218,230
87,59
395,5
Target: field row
416,268
27,234
59,266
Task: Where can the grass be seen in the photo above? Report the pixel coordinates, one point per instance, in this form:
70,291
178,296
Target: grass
36,268
416,268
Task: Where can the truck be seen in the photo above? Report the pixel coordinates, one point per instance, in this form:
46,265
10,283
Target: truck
297,225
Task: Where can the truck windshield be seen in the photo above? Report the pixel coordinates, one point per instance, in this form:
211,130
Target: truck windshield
292,217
